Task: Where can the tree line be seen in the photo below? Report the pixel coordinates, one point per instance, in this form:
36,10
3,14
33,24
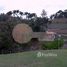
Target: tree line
59,14
11,18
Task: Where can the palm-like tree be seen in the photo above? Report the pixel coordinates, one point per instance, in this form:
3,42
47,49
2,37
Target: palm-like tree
9,13
14,13
26,13
30,15
21,14
17,11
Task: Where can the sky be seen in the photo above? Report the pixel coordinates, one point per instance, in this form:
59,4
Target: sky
33,6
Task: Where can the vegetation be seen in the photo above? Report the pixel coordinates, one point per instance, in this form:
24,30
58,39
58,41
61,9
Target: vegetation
56,44
38,24
10,19
59,14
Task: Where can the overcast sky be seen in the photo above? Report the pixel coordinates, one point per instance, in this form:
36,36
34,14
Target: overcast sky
36,6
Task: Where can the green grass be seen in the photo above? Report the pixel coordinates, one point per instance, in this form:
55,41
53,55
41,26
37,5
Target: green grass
30,59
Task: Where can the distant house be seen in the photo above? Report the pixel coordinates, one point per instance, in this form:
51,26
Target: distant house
46,36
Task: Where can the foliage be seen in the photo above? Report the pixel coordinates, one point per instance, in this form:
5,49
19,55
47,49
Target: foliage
43,14
7,23
40,24
56,44
6,39
3,17
59,14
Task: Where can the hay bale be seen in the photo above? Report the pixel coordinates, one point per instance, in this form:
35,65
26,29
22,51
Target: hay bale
22,33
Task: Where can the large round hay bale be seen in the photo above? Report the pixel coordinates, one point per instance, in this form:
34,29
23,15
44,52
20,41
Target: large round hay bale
22,33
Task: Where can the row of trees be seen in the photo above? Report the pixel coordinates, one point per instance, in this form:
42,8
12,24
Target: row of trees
25,15
10,19
37,23
59,14
29,16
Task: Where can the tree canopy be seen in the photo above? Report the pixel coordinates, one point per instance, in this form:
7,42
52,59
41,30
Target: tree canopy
59,14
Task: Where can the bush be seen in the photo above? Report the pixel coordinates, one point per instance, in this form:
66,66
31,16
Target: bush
56,44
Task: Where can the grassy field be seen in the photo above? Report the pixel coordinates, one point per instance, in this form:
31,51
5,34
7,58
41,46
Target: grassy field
30,59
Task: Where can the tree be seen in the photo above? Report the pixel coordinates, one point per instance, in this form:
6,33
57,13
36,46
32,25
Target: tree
14,13
52,16
21,13
17,11
27,14
59,14
43,14
40,24
9,13
65,13
4,17
30,16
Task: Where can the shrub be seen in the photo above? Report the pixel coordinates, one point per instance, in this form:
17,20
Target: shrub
56,44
